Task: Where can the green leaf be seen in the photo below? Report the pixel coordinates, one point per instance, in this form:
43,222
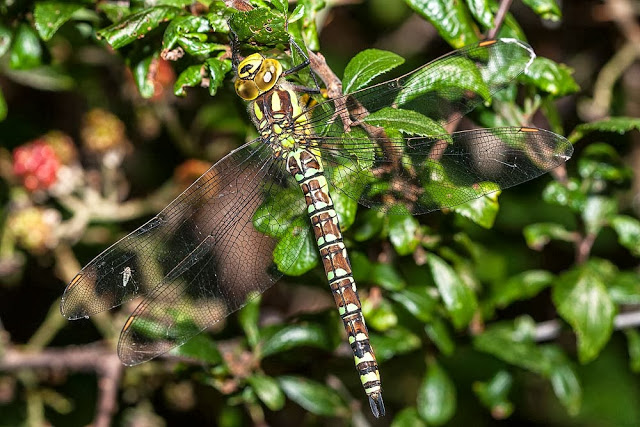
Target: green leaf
137,25
267,390
261,27
581,298
114,12
248,318
26,51
546,9
418,301
494,394
439,334
481,12
296,253
183,26
597,213
201,347
314,397
216,71
297,14
628,229
367,65
458,298
436,401
395,341
570,195
190,77
142,76
293,336
564,380
370,226
281,5
450,18
403,233
380,316
613,124
408,417
624,288
5,39
406,121
551,77
514,342
3,107
520,287
600,161
482,210
633,342
540,234
218,16
345,206
386,276
50,15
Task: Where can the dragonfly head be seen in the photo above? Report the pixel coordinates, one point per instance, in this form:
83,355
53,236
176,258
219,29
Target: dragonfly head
256,75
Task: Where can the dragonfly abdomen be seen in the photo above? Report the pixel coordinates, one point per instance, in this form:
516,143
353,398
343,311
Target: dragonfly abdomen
308,171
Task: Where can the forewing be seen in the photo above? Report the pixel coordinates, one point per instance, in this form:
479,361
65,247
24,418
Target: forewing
444,89
423,174
204,242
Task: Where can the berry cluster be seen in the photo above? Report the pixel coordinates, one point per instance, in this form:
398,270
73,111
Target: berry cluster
36,164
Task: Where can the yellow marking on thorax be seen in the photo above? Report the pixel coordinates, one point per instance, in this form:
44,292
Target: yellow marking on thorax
258,111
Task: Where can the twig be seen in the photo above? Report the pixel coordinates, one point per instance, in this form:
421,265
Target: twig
549,330
583,247
499,19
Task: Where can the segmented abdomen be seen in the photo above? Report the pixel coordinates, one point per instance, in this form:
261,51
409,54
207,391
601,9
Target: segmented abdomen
308,172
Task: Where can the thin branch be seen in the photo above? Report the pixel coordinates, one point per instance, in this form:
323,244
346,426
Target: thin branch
549,330
499,19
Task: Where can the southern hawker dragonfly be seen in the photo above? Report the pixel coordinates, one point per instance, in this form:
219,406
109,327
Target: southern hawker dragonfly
212,249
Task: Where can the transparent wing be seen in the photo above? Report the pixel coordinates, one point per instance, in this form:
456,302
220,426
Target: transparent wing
199,259
444,89
423,174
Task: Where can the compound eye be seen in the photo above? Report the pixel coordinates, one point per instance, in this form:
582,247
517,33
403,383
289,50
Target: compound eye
268,74
249,65
247,89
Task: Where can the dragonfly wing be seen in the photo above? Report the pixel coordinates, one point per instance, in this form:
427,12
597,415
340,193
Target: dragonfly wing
423,174
205,240
231,266
444,89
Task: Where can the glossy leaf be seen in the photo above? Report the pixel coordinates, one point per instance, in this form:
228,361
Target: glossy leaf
260,27
597,213
417,301
386,276
408,417
248,317
314,397
624,288
514,342
570,195
581,298
628,230
216,71
306,257
613,124
370,226
450,19
366,66
26,51
141,74
380,315
482,210
458,298
546,9
540,234
5,39
494,394
551,77
268,391
294,336
281,5
403,233
522,286
50,15
564,380
181,27
439,334
633,344
394,342
406,121
436,396
201,348
600,161
137,25
190,77
481,12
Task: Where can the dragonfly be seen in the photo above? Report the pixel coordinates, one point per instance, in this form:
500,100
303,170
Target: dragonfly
228,237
